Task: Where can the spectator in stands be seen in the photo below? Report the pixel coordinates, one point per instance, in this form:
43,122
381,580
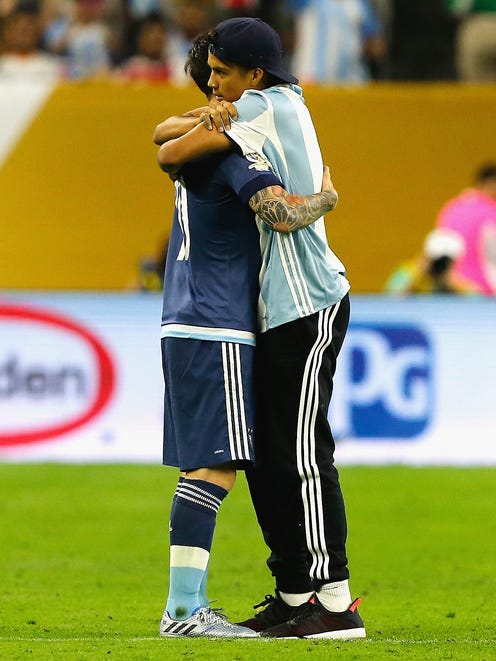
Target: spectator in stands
472,215
432,272
476,39
187,20
336,41
277,13
56,16
20,55
85,38
148,46
234,8
89,40
140,9
7,7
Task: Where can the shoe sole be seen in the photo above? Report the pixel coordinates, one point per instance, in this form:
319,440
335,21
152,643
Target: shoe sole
207,635
345,634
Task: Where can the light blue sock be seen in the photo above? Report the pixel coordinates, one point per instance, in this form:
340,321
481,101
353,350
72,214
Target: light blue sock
202,594
184,587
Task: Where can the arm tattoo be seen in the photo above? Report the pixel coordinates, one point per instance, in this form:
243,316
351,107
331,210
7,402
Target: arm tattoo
286,213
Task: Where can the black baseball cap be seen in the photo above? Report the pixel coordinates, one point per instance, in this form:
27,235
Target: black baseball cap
249,42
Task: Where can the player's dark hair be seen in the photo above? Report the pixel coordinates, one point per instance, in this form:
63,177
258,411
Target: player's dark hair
196,64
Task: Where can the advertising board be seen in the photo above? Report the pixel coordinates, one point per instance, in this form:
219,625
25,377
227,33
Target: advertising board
81,380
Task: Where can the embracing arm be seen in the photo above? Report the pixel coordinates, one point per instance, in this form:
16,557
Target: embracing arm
197,142
213,116
174,127
284,212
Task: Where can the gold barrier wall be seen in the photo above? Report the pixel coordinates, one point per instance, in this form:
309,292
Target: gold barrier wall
82,199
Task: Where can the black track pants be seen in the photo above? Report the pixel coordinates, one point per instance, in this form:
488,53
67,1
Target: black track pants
294,484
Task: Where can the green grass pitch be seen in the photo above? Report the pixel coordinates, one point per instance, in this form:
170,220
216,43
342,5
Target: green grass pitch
83,565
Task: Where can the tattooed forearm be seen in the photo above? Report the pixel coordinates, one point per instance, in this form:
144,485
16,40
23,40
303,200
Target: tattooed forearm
283,212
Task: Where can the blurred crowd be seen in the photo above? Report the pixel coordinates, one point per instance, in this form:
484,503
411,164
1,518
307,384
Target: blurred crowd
325,41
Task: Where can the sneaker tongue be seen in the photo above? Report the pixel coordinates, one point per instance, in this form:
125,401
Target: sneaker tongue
205,614
304,610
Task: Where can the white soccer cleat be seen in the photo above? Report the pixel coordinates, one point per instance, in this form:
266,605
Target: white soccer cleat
204,623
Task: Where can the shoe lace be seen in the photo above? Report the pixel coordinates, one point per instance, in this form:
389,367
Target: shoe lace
266,601
216,609
208,615
213,616
219,612
271,610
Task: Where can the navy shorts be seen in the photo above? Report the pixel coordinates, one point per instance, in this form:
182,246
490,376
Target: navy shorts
208,403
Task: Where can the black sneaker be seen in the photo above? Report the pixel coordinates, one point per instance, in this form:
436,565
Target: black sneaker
273,611
318,622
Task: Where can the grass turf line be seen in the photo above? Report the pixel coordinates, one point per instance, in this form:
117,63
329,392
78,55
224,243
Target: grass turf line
84,564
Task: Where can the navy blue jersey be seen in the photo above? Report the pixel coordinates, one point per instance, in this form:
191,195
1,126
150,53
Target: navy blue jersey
213,260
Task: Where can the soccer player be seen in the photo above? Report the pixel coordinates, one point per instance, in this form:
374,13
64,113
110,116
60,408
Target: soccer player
303,319
208,337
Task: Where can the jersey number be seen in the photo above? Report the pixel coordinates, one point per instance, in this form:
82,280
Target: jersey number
183,219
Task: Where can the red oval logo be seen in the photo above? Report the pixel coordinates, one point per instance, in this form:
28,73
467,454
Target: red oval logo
33,383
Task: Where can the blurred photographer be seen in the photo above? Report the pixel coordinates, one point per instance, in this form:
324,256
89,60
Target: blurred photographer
432,272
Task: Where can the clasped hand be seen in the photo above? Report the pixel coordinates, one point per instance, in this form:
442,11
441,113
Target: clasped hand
219,115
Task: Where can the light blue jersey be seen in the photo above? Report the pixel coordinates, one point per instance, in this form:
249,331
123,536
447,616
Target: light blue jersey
330,37
300,275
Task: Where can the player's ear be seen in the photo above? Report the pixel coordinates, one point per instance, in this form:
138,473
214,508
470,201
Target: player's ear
257,75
